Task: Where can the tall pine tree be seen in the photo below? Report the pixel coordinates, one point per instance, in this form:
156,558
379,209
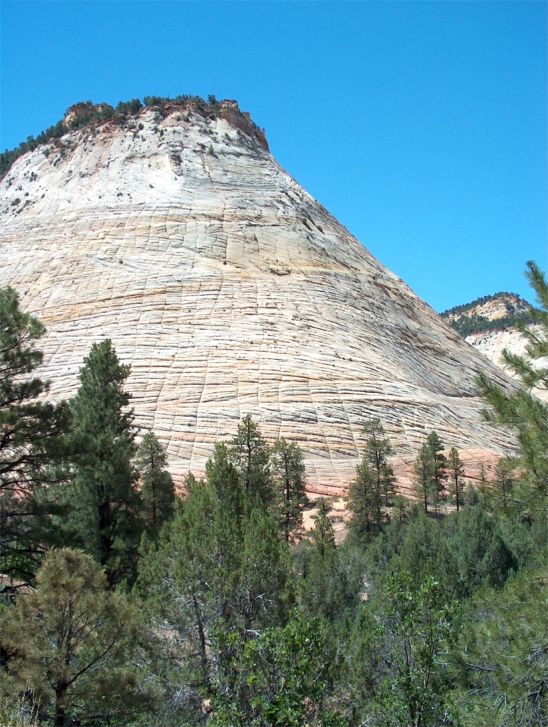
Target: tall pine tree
157,489
439,468
504,481
431,471
106,504
361,503
289,480
250,455
456,476
423,475
31,443
374,485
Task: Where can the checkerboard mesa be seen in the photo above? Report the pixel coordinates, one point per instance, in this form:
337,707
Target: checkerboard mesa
169,228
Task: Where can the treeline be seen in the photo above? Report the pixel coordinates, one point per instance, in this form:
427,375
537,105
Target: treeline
86,113
466,325
124,604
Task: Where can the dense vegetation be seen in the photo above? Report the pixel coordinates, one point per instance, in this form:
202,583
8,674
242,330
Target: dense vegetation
465,321
124,604
87,114
466,325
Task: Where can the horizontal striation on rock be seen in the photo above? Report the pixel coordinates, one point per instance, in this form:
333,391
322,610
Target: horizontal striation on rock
230,291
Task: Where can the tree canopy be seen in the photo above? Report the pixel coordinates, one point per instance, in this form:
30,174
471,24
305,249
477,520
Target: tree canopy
106,518
31,442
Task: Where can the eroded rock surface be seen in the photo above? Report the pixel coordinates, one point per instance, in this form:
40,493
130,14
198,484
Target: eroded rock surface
229,290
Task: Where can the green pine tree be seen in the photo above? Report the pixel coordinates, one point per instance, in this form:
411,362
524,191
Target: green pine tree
504,481
182,595
219,574
288,473
426,551
501,660
378,450
361,502
250,455
455,470
322,534
106,503
264,589
325,587
439,468
71,644
31,444
157,489
431,471
423,474
483,485
482,555
224,479
523,411
374,486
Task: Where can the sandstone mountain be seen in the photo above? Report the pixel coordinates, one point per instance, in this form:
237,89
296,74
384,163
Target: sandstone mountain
230,290
501,311
490,325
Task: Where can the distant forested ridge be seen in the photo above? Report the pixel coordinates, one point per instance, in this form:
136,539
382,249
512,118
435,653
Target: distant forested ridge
467,319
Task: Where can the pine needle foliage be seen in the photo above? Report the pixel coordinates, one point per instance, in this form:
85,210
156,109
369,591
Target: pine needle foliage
105,517
157,489
455,469
430,471
374,486
71,643
288,473
31,442
522,411
250,455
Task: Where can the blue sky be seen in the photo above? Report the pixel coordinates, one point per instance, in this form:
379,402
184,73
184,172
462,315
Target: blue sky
420,125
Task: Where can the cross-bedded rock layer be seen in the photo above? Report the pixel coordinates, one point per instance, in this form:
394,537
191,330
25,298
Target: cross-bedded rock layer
230,290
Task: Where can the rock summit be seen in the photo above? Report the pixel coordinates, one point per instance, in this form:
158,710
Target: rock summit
229,290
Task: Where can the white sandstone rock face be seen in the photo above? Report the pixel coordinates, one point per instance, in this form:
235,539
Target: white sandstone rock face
229,290
492,344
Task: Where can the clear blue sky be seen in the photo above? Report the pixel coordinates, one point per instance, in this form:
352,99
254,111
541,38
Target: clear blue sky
420,125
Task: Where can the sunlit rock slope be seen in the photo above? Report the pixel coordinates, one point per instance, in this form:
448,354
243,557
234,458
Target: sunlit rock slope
229,290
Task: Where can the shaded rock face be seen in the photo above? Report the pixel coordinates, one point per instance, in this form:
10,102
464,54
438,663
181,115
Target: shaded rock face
229,290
